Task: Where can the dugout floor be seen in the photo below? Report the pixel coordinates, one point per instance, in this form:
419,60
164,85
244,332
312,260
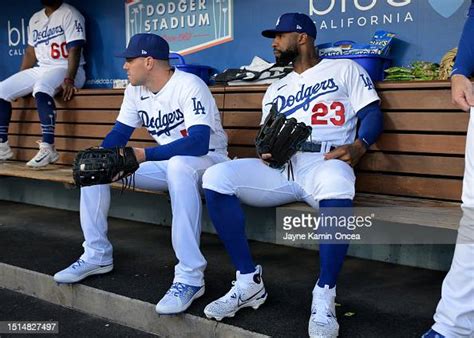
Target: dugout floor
376,299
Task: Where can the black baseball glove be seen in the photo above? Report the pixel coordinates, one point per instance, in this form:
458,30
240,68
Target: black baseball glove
102,166
280,137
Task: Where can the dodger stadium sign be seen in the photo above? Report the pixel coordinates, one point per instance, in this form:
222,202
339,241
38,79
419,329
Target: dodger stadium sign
187,25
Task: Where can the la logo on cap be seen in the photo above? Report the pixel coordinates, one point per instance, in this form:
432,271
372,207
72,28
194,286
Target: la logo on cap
299,27
144,52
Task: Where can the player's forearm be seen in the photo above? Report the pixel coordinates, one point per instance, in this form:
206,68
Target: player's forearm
464,64
29,59
73,61
118,136
195,144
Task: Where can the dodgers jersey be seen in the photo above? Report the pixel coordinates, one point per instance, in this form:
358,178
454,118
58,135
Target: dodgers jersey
326,97
184,101
50,35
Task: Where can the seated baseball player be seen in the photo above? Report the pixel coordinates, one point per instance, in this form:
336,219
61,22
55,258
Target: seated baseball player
331,96
180,113
52,62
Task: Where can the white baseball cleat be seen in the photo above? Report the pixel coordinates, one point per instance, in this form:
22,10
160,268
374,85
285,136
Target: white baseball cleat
46,155
323,322
247,291
178,298
5,151
79,270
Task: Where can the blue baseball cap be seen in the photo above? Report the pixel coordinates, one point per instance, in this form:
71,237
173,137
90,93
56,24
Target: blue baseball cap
146,44
292,22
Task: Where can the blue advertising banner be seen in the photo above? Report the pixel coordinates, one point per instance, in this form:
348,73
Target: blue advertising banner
227,33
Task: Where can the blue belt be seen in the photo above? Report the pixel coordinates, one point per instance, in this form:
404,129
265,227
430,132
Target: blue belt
311,147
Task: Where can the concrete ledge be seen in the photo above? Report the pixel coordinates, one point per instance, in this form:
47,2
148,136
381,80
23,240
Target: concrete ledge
116,308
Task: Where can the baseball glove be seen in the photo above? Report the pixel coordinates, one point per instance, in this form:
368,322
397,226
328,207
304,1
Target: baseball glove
280,137
102,166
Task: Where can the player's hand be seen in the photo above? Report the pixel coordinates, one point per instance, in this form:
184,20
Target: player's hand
140,154
461,92
68,90
349,153
265,157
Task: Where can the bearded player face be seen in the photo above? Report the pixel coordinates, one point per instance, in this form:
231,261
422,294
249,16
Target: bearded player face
285,48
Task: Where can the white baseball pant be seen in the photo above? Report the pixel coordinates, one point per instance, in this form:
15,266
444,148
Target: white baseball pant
256,184
43,79
182,177
454,315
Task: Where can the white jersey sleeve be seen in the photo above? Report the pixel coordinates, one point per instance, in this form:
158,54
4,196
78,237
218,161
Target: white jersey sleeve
30,33
74,26
198,104
128,111
267,102
361,90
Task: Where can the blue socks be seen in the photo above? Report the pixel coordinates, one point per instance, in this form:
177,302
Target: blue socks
5,117
332,255
47,115
228,219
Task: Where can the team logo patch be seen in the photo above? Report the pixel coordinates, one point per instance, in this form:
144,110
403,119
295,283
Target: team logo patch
198,107
367,82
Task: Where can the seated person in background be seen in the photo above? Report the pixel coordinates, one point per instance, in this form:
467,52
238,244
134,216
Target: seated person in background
179,112
56,36
330,96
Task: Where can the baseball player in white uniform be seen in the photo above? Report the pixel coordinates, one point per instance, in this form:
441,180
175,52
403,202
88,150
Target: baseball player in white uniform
180,113
53,61
454,317
331,96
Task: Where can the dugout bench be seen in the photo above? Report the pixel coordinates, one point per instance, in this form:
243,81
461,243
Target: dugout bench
417,162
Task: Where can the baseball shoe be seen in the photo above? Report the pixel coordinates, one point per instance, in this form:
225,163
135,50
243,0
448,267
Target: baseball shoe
79,270
432,334
5,151
46,155
178,298
247,291
323,322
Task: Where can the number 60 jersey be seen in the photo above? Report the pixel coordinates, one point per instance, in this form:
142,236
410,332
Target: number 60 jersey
50,36
325,97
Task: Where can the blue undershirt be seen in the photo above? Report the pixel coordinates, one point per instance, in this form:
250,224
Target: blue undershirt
195,144
371,123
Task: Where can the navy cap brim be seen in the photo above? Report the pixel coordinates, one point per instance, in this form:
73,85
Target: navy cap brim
126,54
271,33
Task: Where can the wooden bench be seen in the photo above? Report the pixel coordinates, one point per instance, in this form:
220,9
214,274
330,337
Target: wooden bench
418,161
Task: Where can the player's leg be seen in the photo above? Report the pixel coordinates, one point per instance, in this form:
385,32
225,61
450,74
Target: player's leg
17,85
226,185
454,315
44,89
332,183
184,178
94,208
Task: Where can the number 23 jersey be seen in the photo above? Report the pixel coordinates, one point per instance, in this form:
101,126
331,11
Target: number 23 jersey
326,97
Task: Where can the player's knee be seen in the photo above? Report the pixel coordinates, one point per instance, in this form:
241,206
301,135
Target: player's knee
44,88
178,167
334,180
4,95
216,178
